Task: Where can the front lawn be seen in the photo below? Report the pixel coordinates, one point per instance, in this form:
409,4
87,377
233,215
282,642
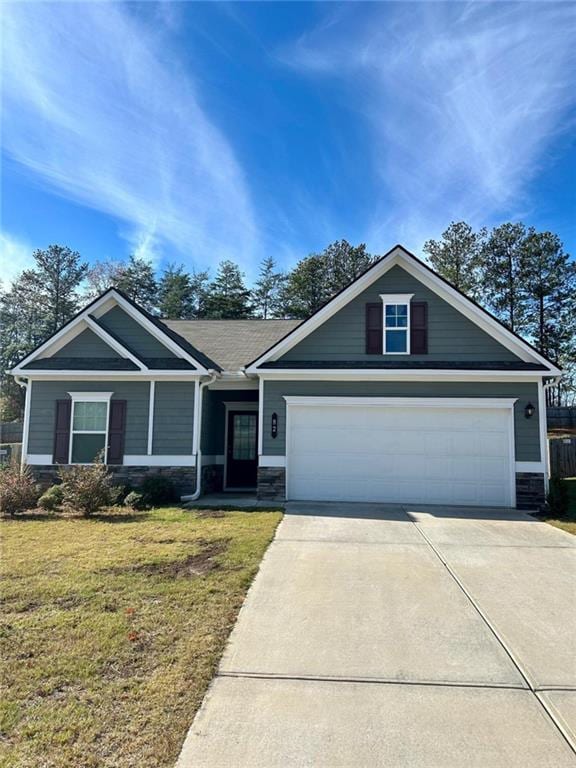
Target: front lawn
568,523
113,628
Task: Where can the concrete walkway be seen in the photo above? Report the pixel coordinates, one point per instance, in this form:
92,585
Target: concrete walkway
397,636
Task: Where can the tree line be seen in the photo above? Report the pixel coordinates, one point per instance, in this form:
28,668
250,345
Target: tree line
523,277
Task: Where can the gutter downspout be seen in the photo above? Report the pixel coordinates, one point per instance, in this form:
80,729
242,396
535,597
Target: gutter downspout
22,382
546,385
198,491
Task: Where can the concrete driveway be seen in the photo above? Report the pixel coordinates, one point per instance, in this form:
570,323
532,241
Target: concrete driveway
398,636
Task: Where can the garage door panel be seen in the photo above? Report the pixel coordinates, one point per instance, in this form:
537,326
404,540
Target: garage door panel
424,454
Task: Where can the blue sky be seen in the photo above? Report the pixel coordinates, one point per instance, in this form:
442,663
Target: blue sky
192,132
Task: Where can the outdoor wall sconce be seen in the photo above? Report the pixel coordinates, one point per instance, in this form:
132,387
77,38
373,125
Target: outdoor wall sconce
529,411
274,427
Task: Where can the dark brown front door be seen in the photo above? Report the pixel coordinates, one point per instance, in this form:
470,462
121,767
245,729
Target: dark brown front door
242,451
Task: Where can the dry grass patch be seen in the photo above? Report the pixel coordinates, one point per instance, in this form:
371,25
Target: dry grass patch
112,630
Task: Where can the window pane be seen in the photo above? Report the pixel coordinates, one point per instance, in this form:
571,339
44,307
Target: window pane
244,441
396,341
402,315
90,416
85,448
396,316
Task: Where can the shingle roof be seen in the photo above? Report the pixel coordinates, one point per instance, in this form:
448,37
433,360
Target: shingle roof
232,343
81,364
458,365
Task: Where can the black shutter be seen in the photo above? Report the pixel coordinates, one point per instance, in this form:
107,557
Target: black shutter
374,329
62,432
419,328
116,431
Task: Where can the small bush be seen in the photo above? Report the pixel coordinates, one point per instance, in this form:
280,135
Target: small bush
135,500
18,490
158,490
86,489
52,498
558,497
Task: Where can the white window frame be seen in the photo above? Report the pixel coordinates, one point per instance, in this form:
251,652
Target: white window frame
390,300
89,397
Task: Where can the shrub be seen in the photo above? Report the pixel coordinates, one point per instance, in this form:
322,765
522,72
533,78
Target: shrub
158,490
557,498
136,500
18,490
86,489
52,498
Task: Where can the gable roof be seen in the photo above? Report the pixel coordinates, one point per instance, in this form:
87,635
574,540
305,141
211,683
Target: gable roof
399,255
232,343
187,356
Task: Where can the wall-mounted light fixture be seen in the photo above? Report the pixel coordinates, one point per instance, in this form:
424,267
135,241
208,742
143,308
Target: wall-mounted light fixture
529,411
274,426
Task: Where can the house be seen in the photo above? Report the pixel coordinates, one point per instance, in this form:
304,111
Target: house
399,389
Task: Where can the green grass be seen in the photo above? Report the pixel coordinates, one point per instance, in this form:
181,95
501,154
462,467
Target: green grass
113,628
568,523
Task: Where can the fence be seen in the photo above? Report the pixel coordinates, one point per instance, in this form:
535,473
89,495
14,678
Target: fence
563,456
561,418
11,432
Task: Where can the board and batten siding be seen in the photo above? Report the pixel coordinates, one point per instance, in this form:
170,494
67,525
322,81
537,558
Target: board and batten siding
132,334
526,430
86,344
173,418
451,336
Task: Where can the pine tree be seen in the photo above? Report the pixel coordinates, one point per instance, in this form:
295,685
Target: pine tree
307,287
267,291
549,279
228,297
345,263
136,279
458,256
56,278
175,294
503,274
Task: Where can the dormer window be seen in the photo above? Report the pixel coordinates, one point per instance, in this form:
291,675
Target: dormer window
396,325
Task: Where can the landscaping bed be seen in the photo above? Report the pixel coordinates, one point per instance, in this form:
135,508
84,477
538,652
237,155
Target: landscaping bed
113,626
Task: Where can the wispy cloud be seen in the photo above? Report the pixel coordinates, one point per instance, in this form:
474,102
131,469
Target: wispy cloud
15,255
465,100
97,107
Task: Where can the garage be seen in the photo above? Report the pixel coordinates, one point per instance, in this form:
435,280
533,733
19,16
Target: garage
401,450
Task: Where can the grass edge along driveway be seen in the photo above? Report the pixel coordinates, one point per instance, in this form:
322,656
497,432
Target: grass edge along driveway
113,628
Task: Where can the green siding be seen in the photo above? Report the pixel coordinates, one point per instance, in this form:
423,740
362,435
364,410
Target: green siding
526,430
86,344
451,336
214,415
173,418
132,333
43,410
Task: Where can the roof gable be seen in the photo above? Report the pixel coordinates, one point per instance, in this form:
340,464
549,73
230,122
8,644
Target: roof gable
451,335
469,314
108,317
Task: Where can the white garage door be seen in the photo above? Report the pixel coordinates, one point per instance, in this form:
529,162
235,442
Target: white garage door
391,450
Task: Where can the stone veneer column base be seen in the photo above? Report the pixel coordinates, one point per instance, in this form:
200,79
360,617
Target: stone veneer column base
271,483
184,478
530,490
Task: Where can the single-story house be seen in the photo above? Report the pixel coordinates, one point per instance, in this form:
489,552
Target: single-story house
399,389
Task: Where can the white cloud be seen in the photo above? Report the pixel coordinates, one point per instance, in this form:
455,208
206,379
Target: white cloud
15,255
97,106
465,100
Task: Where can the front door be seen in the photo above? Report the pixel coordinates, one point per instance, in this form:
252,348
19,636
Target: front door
242,449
